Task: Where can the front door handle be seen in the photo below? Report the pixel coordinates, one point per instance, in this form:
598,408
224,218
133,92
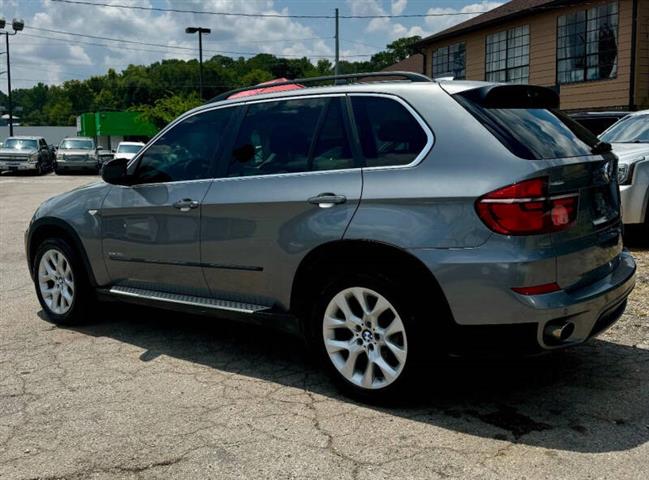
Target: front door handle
327,200
186,204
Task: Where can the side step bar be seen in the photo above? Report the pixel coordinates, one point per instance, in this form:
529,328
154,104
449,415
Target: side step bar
200,302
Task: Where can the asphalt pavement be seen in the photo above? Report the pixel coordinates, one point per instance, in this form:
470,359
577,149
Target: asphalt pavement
142,393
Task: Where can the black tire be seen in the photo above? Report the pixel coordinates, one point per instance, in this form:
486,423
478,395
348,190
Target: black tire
83,296
58,171
395,291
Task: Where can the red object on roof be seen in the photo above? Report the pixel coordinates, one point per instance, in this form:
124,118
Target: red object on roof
259,91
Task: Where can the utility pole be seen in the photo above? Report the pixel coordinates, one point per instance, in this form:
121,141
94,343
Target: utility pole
10,105
17,26
200,32
337,46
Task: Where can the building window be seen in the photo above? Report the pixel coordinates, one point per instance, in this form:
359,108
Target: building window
508,55
450,60
587,44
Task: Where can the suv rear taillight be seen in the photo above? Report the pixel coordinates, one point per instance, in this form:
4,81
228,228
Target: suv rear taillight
525,208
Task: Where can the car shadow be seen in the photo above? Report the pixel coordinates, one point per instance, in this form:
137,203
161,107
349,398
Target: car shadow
592,398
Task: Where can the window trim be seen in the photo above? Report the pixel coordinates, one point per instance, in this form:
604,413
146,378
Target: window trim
506,69
134,162
430,137
585,56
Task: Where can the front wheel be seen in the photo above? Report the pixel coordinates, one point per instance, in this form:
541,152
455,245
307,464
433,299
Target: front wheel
367,335
61,284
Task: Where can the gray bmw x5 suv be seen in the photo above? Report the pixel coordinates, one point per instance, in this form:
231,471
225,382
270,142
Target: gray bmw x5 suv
383,221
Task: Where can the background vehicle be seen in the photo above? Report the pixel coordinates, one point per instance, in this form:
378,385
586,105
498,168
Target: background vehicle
25,153
630,140
77,153
128,150
597,122
387,222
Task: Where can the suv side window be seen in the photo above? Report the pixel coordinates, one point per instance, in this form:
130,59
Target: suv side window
291,136
186,151
388,133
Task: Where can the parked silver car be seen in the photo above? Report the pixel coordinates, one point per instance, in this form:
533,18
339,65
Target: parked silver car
387,222
630,140
77,153
25,153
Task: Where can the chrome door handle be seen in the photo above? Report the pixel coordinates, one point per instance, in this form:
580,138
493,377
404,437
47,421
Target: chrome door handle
327,200
186,204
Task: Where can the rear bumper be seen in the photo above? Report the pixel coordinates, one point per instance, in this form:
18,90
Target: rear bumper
482,305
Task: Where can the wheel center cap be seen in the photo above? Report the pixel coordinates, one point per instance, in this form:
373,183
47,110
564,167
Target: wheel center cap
367,336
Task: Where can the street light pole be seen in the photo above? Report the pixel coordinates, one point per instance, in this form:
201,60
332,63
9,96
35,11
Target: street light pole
17,26
200,31
10,105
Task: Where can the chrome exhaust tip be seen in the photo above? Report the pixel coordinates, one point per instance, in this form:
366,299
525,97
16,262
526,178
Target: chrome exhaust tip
559,333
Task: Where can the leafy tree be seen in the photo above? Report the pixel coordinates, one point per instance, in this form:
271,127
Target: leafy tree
167,109
164,89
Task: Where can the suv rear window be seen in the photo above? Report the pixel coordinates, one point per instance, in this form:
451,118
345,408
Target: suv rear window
533,133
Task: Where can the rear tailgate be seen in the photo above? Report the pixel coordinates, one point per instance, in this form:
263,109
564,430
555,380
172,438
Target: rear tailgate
589,249
526,120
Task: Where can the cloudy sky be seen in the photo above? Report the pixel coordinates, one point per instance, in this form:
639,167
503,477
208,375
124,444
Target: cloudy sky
42,53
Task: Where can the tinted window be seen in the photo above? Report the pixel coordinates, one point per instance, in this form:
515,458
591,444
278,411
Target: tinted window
596,125
20,144
276,137
76,144
633,129
129,148
186,151
534,133
331,150
388,133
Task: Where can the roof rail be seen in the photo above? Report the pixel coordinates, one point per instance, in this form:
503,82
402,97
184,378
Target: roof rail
411,76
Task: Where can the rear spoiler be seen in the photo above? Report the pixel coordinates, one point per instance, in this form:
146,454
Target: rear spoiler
512,96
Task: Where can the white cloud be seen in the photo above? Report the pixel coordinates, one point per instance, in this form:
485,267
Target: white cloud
396,29
50,59
398,6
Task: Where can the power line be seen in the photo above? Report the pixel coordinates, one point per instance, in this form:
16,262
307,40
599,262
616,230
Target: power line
262,15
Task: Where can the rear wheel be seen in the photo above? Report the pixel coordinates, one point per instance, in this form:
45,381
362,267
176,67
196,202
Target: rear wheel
61,282
367,334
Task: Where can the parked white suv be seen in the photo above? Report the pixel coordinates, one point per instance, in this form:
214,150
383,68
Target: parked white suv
128,150
630,140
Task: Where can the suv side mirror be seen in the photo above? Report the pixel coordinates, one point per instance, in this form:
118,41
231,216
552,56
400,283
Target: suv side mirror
115,172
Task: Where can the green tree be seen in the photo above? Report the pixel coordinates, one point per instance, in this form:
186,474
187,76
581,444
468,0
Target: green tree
167,109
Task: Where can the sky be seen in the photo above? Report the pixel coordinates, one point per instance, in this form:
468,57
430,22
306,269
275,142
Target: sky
40,55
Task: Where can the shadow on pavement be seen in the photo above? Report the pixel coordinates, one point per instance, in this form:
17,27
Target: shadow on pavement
592,398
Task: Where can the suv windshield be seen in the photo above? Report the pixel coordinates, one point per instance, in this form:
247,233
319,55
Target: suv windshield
633,129
534,133
129,148
20,144
76,144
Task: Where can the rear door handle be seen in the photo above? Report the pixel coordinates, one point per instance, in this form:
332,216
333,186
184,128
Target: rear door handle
327,200
186,204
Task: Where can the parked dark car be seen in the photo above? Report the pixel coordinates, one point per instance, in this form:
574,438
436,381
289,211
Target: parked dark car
597,122
23,153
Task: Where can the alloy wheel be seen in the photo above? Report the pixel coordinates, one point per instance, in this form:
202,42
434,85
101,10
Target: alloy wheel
56,281
365,338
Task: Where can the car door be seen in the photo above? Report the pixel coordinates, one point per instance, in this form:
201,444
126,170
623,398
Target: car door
290,182
151,228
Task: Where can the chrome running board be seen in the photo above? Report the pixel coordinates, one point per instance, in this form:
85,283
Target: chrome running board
201,302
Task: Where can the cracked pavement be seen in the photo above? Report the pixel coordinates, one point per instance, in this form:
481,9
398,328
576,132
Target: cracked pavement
141,393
